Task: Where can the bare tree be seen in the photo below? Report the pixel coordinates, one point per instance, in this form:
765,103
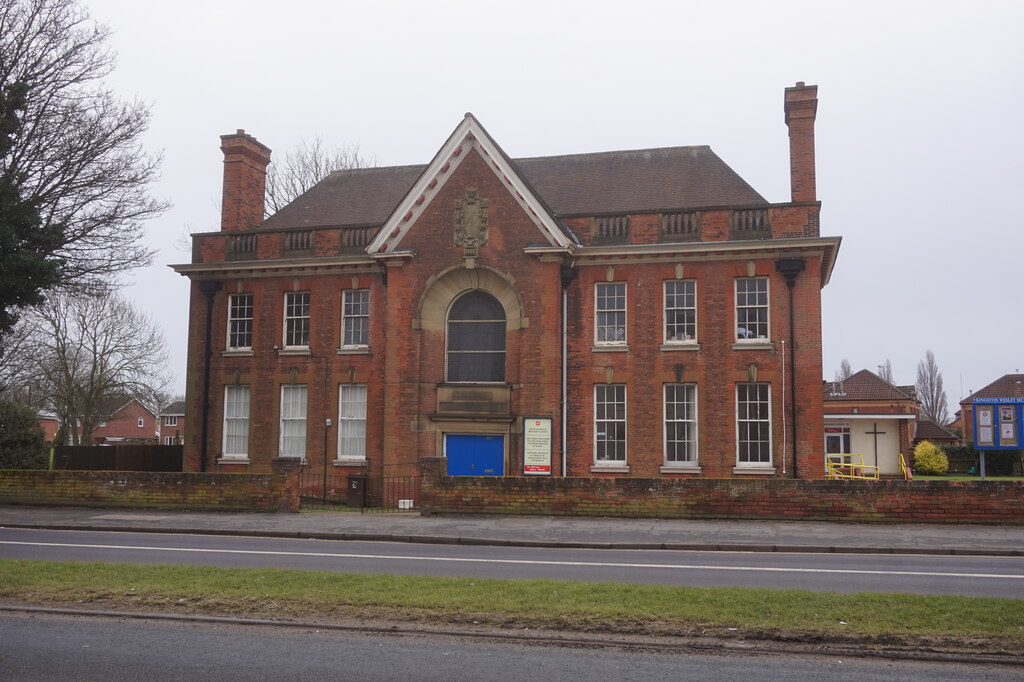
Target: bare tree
75,149
91,354
885,371
930,391
845,371
306,165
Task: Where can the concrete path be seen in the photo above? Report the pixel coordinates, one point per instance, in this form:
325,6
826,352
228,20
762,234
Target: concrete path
782,536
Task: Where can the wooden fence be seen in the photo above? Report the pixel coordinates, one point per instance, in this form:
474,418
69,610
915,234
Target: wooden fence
118,457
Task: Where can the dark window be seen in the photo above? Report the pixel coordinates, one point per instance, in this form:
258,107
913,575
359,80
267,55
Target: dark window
240,321
296,320
610,423
355,317
476,338
753,425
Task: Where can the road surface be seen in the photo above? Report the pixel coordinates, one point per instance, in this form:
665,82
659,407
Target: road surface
920,574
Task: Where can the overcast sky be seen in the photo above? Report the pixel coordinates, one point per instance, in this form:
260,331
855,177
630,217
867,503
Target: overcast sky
920,151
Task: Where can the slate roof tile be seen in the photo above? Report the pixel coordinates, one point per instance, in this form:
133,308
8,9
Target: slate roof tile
644,180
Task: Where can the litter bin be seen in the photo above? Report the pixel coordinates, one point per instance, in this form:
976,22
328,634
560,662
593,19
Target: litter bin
356,490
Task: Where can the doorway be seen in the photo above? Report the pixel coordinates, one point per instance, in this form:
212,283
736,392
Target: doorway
474,454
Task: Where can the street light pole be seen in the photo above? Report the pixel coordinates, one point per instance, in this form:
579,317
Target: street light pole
327,427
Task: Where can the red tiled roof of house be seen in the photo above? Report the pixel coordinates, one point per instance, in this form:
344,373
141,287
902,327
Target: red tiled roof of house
175,408
863,385
929,430
645,180
1006,386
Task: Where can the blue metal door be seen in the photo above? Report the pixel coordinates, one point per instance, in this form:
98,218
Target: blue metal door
475,455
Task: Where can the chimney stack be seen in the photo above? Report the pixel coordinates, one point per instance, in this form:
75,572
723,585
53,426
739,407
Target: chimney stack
801,107
245,179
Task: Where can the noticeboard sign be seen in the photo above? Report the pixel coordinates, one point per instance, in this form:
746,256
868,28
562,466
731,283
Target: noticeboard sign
537,446
998,423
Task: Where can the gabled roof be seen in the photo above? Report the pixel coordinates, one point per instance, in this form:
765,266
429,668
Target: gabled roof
175,408
644,180
128,404
1006,386
925,429
468,137
863,385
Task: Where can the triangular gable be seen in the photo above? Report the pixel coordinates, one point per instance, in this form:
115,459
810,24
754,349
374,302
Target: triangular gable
469,135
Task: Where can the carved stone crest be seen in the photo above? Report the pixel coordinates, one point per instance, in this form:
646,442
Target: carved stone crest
471,217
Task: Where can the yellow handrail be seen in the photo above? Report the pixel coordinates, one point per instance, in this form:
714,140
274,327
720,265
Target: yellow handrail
849,467
908,475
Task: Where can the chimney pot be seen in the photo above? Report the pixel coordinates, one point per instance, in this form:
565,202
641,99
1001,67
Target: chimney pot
245,178
801,107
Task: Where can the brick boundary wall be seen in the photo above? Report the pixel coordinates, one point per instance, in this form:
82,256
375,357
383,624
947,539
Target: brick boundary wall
151,490
887,501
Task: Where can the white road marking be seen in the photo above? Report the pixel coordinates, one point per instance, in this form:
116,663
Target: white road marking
529,562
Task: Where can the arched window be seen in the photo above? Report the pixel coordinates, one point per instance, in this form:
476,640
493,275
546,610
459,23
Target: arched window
476,338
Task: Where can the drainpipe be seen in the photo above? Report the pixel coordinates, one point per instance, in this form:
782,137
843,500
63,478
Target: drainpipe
209,290
569,274
790,268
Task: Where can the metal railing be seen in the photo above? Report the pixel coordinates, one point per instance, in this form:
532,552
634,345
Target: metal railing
849,468
392,494
370,495
905,471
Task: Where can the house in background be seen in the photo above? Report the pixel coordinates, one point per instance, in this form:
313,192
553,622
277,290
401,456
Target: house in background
172,424
927,430
627,313
133,422
869,416
50,424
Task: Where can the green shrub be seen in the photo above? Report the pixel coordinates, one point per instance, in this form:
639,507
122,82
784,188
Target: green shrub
22,440
930,460
1001,462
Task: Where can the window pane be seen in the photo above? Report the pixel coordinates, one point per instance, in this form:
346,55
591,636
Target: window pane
477,305
610,423
352,421
476,338
610,312
296,320
753,427
680,310
240,321
355,319
680,423
752,308
293,421
236,421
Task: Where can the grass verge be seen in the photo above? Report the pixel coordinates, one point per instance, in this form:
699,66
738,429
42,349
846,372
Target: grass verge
562,605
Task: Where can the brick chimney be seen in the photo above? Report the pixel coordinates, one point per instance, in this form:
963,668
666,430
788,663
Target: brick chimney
801,107
245,178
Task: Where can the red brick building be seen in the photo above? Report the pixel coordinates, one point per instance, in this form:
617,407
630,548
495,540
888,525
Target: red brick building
133,422
172,423
631,313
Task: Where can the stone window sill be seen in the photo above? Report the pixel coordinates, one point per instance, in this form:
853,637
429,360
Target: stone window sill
293,351
609,469
353,350
684,345
350,462
233,460
760,344
611,348
754,471
237,353
667,469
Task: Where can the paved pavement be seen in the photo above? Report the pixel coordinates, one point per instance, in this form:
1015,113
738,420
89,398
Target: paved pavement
782,536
